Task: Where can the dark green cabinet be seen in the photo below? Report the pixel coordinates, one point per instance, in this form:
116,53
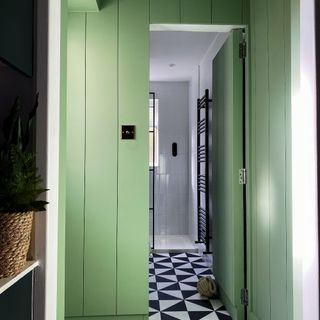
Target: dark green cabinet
16,34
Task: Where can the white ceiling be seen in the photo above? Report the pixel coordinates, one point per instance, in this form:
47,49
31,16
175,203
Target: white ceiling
184,49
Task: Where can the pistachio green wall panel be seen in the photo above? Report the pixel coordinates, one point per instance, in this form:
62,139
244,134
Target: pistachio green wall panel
75,164
259,275
270,223
227,159
101,162
83,5
133,184
278,219
227,11
164,11
196,11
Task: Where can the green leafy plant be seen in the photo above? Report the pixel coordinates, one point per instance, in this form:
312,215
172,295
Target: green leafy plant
20,185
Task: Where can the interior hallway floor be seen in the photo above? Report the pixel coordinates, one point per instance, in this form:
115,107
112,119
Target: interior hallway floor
173,292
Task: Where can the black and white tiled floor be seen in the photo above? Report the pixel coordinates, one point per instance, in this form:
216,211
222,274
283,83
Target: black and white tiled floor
173,292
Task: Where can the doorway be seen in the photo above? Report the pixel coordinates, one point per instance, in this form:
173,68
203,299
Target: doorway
187,67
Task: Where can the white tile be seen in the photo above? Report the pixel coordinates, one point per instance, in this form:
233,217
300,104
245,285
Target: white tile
153,296
195,307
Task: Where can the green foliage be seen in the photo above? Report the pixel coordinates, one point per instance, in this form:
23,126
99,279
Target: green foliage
20,185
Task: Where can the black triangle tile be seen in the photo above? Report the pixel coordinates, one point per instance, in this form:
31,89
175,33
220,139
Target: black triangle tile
203,303
182,277
163,279
154,304
182,259
165,296
157,255
198,260
174,287
177,264
181,306
159,266
198,315
168,273
168,317
153,285
207,272
164,261
151,271
193,255
188,293
222,316
195,265
174,254
152,313
192,284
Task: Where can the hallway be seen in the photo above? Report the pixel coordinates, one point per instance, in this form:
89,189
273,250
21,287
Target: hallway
173,292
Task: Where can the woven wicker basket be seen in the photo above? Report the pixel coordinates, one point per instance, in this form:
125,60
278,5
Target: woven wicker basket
15,234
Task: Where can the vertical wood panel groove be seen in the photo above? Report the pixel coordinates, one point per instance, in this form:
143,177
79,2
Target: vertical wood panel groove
85,152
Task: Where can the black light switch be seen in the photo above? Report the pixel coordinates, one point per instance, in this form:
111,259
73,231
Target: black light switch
174,149
128,132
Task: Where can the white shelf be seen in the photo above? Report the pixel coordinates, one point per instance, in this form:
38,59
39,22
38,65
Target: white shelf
6,283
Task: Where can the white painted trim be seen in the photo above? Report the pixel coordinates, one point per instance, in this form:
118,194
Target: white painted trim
48,116
194,27
305,179
6,283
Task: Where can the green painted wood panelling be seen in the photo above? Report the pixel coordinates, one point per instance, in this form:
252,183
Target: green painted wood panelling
83,5
227,11
278,219
164,11
16,34
227,159
133,184
75,164
100,257
259,263
269,265
196,11
62,163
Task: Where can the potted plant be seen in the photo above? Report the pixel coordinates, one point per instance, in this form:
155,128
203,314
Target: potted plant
20,187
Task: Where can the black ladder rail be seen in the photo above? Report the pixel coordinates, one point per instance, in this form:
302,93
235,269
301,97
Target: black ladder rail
203,178
152,169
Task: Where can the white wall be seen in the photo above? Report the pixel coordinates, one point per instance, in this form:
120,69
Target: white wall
48,85
172,174
304,166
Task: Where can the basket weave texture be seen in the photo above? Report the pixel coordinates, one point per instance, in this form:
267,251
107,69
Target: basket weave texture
15,235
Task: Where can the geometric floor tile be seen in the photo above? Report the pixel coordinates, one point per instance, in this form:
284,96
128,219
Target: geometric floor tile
173,291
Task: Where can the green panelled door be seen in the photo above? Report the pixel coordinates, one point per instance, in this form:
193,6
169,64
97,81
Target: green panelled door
228,262
75,164
133,172
164,11
259,270
100,257
270,296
